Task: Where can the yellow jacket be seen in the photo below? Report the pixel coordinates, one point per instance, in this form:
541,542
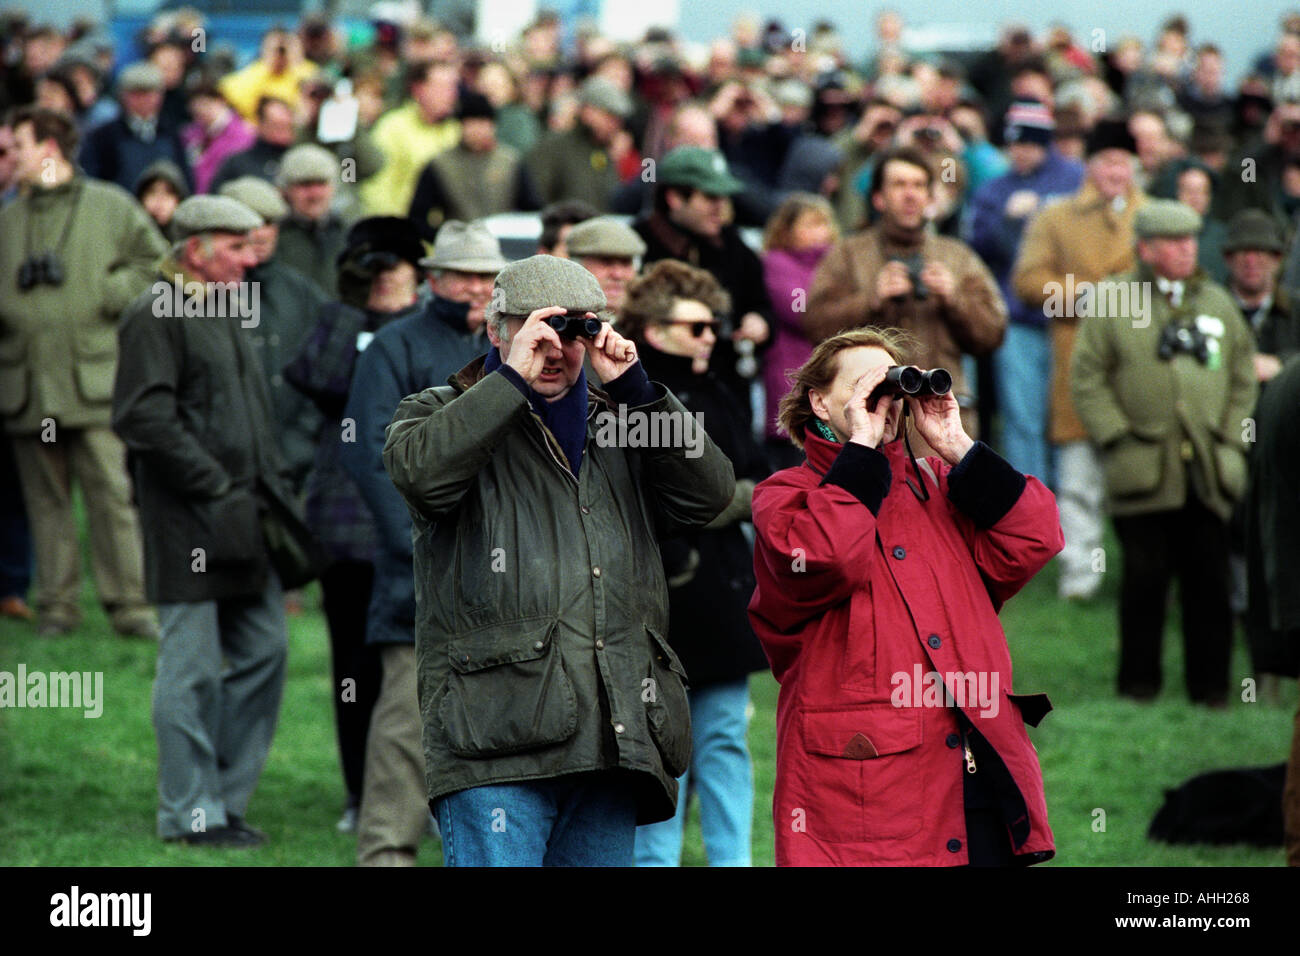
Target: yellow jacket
408,142
245,87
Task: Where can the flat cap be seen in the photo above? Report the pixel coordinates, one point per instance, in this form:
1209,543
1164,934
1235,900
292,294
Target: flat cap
140,76
258,195
699,168
541,281
200,214
465,247
307,163
604,95
1253,229
1157,218
604,236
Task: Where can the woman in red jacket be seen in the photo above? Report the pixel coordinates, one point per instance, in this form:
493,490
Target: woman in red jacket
899,737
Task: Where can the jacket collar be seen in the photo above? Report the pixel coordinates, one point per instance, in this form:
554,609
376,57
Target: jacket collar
820,454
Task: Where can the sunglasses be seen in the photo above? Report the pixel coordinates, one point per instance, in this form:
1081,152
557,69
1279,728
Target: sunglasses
697,328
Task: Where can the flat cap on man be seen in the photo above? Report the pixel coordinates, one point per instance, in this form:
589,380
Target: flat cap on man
258,195
307,163
200,214
539,281
604,95
699,168
605,236
1253,229
465,247
1166,218
140,76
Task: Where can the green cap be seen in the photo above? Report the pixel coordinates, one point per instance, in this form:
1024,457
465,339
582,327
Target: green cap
699,168
1253,229
1166,218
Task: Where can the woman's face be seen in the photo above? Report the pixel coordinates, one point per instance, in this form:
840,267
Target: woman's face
829,405
810,230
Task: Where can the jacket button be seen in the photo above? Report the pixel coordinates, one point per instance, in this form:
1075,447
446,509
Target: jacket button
619,728
595,572
952,740
464,659
600,645
954,846
934,641
538,645
900,553
586,510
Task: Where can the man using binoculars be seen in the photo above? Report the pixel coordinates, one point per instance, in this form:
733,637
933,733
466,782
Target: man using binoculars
555,713
1167,397
898,275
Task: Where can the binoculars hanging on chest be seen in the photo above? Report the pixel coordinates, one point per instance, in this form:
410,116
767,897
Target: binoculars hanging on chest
910,381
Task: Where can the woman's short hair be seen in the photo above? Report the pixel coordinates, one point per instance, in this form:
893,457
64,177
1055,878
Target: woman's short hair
650,296
823,365
776,235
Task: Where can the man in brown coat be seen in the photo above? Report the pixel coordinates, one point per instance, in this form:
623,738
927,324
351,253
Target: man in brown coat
897,274
1071,245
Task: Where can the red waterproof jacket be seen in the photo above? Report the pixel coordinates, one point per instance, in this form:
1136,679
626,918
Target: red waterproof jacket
862,590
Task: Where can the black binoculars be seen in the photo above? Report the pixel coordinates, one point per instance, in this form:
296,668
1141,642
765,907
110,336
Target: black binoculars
44,269
571,326
1186,339
914,265
908,380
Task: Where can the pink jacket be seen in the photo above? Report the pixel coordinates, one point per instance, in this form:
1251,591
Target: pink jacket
207,151
785,273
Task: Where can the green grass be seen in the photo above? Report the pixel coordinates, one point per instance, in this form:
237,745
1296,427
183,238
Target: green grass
77,791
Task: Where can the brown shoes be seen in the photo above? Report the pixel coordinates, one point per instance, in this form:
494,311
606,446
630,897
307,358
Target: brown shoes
15,607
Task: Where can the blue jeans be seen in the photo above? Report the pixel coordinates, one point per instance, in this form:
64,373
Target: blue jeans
583,819
722,775
1024,371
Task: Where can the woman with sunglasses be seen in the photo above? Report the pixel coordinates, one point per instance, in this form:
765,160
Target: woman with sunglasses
672,313
900,740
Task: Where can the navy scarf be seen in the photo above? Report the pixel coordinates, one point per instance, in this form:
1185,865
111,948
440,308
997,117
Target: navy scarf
566,418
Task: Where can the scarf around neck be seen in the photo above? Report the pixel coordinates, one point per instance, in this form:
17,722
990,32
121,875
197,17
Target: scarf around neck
565,418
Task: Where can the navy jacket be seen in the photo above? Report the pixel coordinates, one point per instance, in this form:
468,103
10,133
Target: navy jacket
405,357
112,152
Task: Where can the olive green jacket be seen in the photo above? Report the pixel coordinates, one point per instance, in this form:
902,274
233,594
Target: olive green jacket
541,604
1165,425
58,344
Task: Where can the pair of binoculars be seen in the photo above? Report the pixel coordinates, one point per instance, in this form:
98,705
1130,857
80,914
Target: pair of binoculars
43,269
572,326
908,380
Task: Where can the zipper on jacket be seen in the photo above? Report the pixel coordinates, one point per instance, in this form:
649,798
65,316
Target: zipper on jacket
970,757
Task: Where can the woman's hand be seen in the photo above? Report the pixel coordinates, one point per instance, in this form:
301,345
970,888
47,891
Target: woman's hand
938,421
867,427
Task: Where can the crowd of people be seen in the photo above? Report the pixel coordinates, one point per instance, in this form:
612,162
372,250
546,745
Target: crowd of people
1097,245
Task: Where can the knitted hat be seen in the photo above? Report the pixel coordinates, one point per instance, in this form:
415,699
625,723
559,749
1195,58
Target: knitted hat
1029,121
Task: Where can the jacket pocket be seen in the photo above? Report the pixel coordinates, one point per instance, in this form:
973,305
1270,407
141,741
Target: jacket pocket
1133,466
96,358
668,711
507,692
1033,707
860,781
14,377
232,527
1230,468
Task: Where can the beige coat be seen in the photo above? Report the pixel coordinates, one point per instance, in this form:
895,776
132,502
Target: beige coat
1082,237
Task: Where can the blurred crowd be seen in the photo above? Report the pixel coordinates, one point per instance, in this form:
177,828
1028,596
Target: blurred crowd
945,194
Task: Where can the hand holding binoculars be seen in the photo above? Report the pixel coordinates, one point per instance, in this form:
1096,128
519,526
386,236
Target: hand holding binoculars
910,381
572,326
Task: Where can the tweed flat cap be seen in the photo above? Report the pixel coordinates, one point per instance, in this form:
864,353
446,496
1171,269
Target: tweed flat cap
604,95
541,281
258,195
307,163
200,214
1253,229
465,247
605,236
140,76
1158,218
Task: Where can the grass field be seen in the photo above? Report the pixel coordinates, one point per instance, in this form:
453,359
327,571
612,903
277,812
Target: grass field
80,792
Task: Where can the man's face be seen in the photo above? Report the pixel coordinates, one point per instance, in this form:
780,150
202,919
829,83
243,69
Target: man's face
1253,270
436,94
222,258
30,155
904,195
1194,190
613,273
478,134
1171,257
276,125
1111,171
142,104
263,240
474,288
1288,55
1026,157
701,213
563,363
603,125
853,364
310,200
170,61
53,96
160,202
1209,72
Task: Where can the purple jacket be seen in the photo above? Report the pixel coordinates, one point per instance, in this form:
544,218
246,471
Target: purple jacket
206,151
786,272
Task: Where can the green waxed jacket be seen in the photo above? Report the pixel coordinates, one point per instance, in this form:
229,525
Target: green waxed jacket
541,604
1167,426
